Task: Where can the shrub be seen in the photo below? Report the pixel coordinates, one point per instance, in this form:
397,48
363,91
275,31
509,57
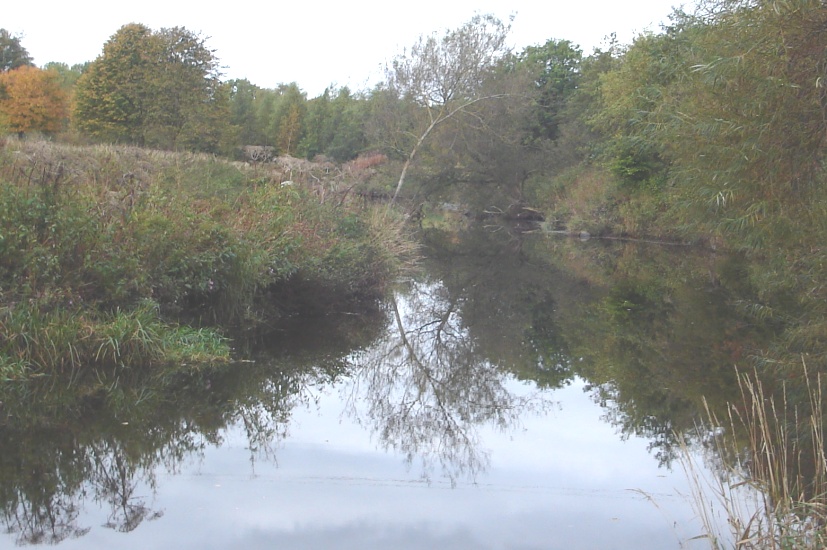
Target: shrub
105,250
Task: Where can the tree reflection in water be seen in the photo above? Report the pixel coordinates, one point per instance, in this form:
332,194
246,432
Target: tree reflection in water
48,521
44,495
425,388
58,459
116,478
431,373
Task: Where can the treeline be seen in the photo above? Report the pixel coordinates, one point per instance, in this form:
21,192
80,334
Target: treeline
712,129
162,89
720,118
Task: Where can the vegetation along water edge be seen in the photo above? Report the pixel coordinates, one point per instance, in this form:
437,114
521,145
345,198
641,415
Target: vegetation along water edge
151,212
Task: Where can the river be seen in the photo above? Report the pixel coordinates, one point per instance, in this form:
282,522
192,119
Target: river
521,391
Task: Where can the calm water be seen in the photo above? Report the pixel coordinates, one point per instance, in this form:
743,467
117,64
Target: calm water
522,392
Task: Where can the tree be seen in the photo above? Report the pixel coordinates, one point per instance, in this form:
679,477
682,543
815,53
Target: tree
151,88
752,112
32,99
243,97
186,92
290,130
442,76
347,134
287,118
68,75
490,151
555,67
207,125
318,126
12,52
632,94
111,98
333,126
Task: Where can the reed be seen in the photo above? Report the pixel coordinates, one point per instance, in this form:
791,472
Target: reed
770,487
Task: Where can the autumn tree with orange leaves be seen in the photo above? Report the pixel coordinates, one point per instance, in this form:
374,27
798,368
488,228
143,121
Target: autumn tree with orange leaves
32,100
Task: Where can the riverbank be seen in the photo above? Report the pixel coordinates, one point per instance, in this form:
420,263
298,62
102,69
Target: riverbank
120,257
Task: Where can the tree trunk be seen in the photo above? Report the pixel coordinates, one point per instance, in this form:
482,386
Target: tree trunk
411,157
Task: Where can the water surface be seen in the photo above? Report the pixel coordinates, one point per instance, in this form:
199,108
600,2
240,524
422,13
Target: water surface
521,392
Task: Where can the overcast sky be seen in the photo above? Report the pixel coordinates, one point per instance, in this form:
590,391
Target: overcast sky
316,43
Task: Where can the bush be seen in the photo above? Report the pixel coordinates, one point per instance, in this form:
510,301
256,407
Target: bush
104,251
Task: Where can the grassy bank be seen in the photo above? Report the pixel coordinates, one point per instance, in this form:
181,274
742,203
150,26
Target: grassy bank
113,256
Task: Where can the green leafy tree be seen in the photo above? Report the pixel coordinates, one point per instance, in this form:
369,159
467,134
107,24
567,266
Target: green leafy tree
750,113
488,152
631,99
186,91
334,125
318,125
585,101
207,127
243,96
12,52
348,115
287,118
158,89
112,99
68,75
265,109
555,67
290,130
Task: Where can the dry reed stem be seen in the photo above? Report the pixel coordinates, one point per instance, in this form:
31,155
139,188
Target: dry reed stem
772,489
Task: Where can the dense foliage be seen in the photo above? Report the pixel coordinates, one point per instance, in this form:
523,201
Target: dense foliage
158,89
113,257
709,131
12,53
32,99
717,127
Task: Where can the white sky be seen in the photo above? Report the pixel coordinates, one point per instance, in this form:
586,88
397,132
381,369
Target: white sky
316,43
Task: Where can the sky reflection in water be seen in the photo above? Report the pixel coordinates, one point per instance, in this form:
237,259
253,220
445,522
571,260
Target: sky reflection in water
421,443
561,480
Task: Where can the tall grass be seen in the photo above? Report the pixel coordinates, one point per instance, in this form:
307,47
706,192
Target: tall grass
771,484
106,253
37,341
